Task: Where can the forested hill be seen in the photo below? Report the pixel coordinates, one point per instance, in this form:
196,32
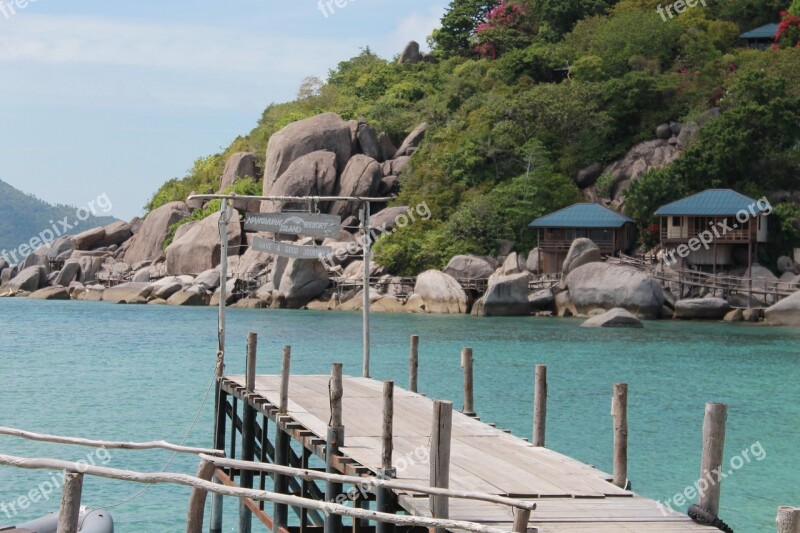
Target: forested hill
23,217
521,96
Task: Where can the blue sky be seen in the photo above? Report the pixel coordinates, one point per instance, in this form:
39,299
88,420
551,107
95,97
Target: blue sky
100,97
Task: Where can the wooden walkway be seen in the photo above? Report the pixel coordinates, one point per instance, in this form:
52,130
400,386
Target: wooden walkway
570,495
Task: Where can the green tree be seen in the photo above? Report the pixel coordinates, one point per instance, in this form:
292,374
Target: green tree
456,36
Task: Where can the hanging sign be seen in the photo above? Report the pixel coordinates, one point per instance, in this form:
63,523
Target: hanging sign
308,224
295,251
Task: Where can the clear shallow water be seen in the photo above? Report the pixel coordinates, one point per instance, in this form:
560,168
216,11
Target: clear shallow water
140,372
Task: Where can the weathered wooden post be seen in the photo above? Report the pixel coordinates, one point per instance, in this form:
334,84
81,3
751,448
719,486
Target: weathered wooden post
440,458
282,443
248,431
70,503
413,363
713,448
521,519
333,523
221,417
788,520
197,500
619,410
540,406
385,497
469,398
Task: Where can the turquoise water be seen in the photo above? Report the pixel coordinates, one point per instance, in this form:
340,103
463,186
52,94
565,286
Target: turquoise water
140,373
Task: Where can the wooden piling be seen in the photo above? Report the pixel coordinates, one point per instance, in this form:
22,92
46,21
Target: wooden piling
221,402
540,406
521,519
469,398
386,502
282,443
70,503
413,363
248,432
619,410
197,500
335,440
788,520
440,457
713,448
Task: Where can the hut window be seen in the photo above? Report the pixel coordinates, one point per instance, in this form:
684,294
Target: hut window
676,221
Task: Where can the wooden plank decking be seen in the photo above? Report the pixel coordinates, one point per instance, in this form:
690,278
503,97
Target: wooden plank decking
571,496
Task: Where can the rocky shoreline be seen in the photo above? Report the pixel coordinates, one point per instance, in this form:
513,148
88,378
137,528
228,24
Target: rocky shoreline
128,262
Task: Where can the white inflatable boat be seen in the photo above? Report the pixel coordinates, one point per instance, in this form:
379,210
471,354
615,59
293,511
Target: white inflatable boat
90,521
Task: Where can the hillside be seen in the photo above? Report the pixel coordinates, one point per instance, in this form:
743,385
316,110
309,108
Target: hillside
23,217
526,98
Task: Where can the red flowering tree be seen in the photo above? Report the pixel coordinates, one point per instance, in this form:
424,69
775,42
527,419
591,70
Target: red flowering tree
788,34
509,25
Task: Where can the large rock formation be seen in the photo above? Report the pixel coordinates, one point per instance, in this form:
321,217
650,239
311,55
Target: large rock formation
361,177
506,296
644,156
368,141
410,54
441,293
469,267
198,247
149,240
616,318
69,273
28,280
239,165
50,293
388,218
129,293
582,252
298,281
323,132
603,286
312,174
702,309
412,141
785,313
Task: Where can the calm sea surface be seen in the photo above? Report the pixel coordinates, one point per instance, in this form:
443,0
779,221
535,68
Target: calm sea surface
139,373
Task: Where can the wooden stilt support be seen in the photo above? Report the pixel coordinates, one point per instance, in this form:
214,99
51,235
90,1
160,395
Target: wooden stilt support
413,363
70,503
282,443
333,523
788,520
469,398
440,457
197,500
540,406
248,432
386,502
221,416
619,410
713,447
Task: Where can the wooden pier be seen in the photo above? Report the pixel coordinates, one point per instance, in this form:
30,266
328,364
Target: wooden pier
569,495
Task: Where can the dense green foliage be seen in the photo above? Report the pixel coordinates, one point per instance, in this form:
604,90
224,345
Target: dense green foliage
23,217
526,93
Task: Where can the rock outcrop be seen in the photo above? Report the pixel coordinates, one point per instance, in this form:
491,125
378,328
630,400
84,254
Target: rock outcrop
298,281
239,165
702,309
198,248
323,132
361,177
469,267
148,242
50,293
603,286
128,293
582,252
312,174
616,318
441,293
784,313
506,296
28,280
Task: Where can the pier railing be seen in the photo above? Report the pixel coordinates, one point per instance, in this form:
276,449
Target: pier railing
202,484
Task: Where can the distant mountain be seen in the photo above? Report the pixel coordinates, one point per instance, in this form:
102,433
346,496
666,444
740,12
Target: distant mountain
23,217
